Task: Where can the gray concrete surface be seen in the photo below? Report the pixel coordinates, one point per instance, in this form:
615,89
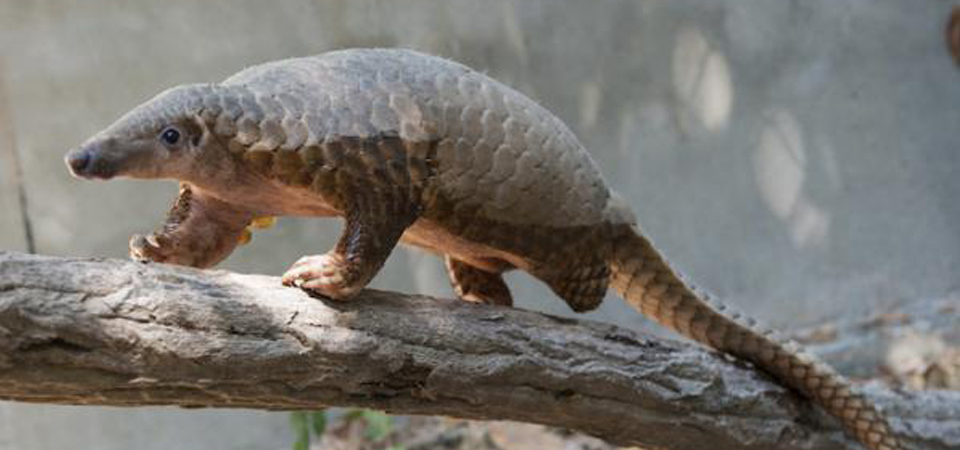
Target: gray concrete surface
798,159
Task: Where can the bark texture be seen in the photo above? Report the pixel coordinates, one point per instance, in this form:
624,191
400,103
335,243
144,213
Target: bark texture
110,332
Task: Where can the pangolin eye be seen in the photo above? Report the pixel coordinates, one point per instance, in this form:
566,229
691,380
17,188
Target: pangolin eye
170,136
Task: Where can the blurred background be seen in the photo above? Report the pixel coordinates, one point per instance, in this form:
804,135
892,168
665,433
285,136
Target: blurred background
797,159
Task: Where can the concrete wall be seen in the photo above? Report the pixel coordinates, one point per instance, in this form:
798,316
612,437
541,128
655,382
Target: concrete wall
798,159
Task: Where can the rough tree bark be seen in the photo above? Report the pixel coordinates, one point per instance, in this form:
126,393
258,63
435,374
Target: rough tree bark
109,332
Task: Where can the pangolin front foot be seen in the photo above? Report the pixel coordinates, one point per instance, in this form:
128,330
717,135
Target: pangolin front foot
325,274
200,231
376,218
153,248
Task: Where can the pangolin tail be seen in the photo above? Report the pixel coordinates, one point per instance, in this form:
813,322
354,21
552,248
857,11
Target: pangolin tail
646,281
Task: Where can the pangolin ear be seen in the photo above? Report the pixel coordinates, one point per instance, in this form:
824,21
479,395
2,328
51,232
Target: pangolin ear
197,130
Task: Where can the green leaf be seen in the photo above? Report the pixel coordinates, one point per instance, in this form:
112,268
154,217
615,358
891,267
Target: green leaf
301,429
353,414
318,419
397,447
379,424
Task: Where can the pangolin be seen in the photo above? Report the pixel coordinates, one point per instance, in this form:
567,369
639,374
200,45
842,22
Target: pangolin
414,148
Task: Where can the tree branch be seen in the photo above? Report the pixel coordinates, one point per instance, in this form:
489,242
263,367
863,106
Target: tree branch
109,332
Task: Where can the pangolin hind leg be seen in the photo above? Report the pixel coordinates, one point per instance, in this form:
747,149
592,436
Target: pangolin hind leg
476,285
200,231
374,224
581,283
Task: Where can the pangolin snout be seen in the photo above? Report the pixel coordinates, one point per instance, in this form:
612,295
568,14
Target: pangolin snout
78,160
89,161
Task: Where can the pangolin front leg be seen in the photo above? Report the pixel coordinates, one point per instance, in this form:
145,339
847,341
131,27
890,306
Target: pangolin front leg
374,224
200,231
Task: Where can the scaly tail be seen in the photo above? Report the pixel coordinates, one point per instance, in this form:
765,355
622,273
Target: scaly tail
648,283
